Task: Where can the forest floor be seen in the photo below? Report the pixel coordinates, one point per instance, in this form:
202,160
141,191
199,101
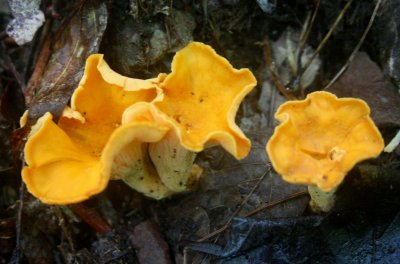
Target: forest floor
239,211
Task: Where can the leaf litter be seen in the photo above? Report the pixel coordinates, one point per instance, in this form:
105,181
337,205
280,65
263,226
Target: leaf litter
139,42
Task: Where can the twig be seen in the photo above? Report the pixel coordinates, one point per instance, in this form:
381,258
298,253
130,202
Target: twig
327,36
91,217
309,27
272,204
218,250
239,166
11,67
245,200
205,9
35,50
37,74
360,42
303,42
393,143
5,169
17,250
275,76
61,223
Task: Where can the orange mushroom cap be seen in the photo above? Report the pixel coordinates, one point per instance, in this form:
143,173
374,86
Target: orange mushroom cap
321,138
58,170
64,160
202,95
101,98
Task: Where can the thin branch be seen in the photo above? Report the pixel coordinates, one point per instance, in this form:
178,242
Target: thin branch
11,67
17,251
327,36
309,27
274,75
62,225
274,203
237,166
358,46
245,200
303,41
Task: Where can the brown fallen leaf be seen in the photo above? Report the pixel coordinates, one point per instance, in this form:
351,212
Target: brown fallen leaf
364,79
149,244
132,46
75,41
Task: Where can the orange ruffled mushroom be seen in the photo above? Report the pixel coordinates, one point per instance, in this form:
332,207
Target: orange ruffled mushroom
199,107
321,138
202,95
64,160
199,101
111,131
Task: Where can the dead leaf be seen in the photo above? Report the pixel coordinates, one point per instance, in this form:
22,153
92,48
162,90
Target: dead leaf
364,79
223,186
75,41
131,46
149,244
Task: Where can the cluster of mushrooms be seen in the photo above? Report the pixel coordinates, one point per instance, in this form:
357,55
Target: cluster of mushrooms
144,132
148,132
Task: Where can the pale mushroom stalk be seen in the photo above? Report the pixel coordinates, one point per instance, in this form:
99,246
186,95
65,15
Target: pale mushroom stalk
143,178
164,158
174,163
321,201
130,160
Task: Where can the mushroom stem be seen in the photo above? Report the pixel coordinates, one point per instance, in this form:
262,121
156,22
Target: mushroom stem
141,176
174,163
321,201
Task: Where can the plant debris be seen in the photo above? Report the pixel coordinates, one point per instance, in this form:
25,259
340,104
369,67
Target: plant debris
363,79
73,43
28,18
240,211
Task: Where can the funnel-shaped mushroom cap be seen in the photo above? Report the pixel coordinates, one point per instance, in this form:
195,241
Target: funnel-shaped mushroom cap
101,98
202,96
64,160
321,138
59,171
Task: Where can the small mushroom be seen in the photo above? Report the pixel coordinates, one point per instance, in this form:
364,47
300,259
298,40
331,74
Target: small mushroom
64,163
319,140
